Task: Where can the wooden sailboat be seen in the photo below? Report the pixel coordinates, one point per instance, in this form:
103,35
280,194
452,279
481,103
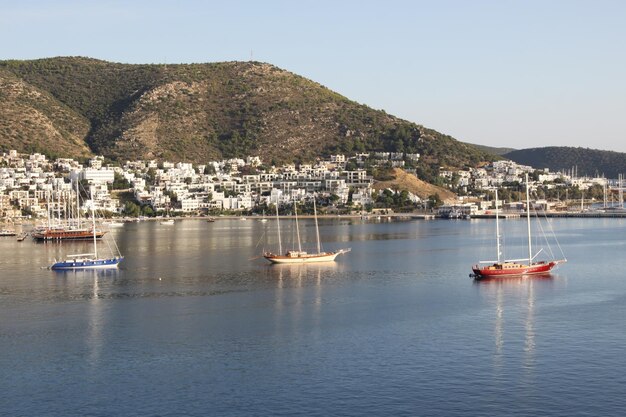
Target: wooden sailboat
59,231
300,256
513,267
89,260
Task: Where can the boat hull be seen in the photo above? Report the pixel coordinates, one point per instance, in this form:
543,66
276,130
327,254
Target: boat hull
302,259
87,264
508,270
51,234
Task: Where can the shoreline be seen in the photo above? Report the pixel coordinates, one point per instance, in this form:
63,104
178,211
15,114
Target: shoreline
402,216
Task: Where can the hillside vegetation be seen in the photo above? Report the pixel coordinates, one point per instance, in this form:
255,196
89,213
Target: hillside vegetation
200,112
31,120
493,150
588,162
402,180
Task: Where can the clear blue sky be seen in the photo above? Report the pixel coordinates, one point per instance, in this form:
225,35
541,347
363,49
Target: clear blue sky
501,73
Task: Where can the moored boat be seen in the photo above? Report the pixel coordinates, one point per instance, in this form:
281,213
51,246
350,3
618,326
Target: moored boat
88,260
294,256
514,267
300,256
85,261
62,233
113,224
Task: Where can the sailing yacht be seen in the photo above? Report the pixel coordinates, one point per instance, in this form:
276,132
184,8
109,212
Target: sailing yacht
513,267
300,256
89,260
65,231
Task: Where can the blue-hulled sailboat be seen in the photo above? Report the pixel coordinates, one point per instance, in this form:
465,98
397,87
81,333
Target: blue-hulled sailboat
89,260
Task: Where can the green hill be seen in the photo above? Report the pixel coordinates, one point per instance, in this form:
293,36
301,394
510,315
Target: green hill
199,112
588,162
32,120
495,151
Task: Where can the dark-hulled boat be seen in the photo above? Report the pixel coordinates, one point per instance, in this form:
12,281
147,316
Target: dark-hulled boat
62,233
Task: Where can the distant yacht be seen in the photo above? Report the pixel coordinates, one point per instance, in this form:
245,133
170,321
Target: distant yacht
89,260
113,224
300,256
513,267
65,230
168,222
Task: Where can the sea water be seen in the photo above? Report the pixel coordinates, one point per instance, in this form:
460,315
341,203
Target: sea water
196,323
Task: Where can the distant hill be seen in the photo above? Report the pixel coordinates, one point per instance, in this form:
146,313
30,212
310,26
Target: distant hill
589,162
32,120
495,151
197,112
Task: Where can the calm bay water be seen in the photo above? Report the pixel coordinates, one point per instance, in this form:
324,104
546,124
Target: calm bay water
196,324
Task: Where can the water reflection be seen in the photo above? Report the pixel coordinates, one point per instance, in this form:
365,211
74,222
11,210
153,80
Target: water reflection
511,296
513,280
96,325
498,330
298,275
300,296
529,327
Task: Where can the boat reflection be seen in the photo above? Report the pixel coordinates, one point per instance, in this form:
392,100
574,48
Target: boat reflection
301,274
517,279
514,302
86,273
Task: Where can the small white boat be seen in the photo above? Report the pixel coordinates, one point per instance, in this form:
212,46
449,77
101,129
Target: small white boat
113,224
169,222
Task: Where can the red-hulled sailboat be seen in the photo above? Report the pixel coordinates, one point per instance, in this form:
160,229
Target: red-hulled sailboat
513,267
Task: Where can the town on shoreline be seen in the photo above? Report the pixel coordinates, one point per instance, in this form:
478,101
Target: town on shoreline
33,187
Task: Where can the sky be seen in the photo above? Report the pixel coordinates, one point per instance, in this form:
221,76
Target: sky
501,73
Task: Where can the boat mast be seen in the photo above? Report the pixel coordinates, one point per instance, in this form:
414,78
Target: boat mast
93,222
530,249
280,244
48,204
58,203
317,229
295,210
497,228
77,205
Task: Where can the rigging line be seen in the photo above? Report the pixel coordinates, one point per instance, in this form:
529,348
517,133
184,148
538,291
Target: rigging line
108,242
549,222
553,235
543,234
119,253
556,240
100,212
261,238
540,227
